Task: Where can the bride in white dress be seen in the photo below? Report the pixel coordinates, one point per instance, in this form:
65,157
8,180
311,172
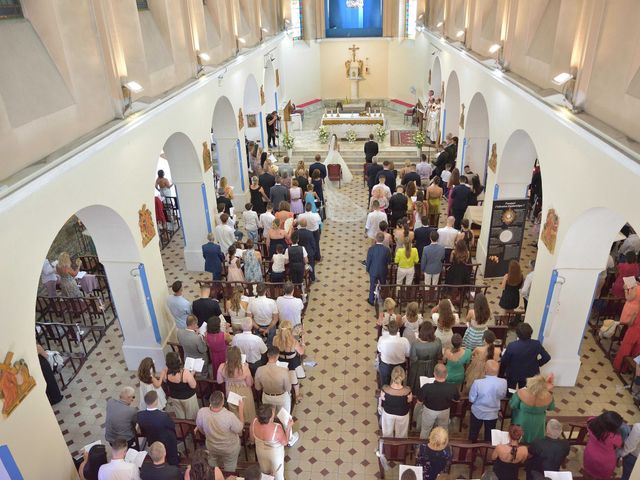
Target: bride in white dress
334,157
339,206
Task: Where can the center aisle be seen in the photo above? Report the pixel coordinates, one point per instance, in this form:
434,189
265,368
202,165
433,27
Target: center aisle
336,417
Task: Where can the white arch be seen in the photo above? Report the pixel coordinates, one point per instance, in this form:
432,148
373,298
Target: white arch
451,124
251,106
225,136
436,77
515,165
476,137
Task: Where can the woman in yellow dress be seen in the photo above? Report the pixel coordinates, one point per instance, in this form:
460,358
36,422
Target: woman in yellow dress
434,197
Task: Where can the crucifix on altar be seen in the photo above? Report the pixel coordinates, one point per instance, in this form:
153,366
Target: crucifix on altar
354,70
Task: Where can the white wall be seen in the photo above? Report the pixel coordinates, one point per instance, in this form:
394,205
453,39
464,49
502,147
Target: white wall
301,67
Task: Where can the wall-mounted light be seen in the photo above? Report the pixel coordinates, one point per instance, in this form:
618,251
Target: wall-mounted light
128,89
567,80
242,40
460,34
495,48
201,58
439,24
562,78
265,30
221,76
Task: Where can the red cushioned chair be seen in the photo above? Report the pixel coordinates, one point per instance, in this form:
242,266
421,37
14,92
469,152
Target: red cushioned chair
334,172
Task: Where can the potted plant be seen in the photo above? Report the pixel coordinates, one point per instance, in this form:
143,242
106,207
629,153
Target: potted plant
419,140
351,135
380,133
287,141
323,134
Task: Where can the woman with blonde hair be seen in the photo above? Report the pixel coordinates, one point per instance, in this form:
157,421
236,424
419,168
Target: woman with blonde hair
406,259
67,272
236,307
150,380
511,285
411,321
434,197
444,317
387,314
236,377
434,457
530,405
394,405
291,352
224,187
295,192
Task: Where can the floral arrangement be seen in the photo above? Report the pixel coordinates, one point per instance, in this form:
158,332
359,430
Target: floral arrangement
287,141
380,133
351,135
419,139
323,134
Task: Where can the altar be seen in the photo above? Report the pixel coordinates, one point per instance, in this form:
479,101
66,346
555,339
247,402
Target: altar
362,125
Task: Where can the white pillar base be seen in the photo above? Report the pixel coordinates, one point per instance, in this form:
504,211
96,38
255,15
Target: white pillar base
133,354
354,89
565,370
193,260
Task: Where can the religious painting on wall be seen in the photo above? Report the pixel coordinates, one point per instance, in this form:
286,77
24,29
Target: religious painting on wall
251,121
262,95
277,78
493,159
505,235
15,383
145,222
206,157
240,119
429,81
462,116
550,230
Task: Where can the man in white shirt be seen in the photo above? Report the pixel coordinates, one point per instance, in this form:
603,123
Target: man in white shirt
266,219
251,345
377,215
424,169
314,222
447,234
264,312
393,350
631,244
251,222
289,307
526,285
117,468
225,234
382,186
49,277
179,306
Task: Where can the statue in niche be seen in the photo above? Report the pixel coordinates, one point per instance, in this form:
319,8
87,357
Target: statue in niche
262,102
277,78
462,116
442,90
145,222
550,230
15,383
493,159
429,82
240,119
206,156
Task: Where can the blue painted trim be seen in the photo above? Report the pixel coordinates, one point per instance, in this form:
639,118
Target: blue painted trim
207,217
547,304
149,301
9,464
261,129
496,191
444,125
184,236
464,149
239,150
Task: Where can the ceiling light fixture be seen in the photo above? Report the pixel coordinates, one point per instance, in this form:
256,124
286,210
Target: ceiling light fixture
460,33
439,24
355,3
242,40
495,48
562,78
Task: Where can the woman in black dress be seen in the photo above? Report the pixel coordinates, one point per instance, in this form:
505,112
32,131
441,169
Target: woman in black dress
53,391
317,185
511,285
476,189
258,197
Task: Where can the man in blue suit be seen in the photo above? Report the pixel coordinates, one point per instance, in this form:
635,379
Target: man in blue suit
318,165
523,358
378,258
158,426
213,257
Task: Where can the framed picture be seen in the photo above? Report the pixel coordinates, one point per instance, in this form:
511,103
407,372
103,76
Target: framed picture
252,121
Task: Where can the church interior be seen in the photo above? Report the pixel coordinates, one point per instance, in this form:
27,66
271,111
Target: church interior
139,134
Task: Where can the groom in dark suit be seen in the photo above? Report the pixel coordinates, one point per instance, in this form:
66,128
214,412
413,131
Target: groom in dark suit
318,165
378,258
370,149
213,257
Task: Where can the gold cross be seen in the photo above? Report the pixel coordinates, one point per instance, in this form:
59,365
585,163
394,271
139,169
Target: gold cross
353,51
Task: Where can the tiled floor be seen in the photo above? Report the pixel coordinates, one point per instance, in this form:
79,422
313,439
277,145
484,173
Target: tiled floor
336,417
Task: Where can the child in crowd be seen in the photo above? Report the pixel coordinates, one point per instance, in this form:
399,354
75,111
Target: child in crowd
445,175
277,267
251,222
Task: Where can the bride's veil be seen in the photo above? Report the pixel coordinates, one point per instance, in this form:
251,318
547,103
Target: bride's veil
332,142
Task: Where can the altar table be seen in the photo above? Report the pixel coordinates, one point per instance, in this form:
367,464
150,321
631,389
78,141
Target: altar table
362,125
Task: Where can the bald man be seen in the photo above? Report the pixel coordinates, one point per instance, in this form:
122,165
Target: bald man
437,398
485,396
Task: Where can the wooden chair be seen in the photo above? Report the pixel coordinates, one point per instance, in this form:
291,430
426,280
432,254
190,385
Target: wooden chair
464,453
399,450
459,410
334,173
177,348
509,319
60,332
69,359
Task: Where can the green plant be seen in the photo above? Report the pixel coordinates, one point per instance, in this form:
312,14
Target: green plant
419,139
351,135
323,134
380,133
287,141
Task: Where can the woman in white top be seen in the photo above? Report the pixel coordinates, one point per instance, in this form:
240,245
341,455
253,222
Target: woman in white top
149,381
412,320
444,317
237,308
270,439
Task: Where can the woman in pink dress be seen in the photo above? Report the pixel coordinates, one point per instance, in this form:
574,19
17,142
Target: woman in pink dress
630,345
628,269
234,266
600,453
296,198
217,341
